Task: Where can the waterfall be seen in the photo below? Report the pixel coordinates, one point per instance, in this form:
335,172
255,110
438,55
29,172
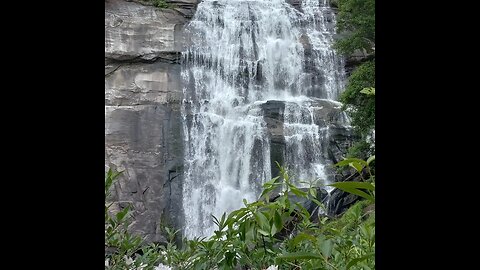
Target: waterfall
304,135
242,53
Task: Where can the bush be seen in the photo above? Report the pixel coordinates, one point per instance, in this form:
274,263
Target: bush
359,106
277,234
356,18
161,3
356,22
122,249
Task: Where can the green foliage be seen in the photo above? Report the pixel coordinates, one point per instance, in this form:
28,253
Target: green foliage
364,189
350,220
359,106
249,237
355,235
356,18
334,3
124,247
161,3
356,23
369,91
359,149
260,234
356,188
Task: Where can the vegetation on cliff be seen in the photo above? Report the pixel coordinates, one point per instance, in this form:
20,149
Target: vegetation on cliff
356,23
161,3
356,19
274,234
155,3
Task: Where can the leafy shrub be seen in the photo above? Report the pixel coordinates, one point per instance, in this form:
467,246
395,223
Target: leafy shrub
356,18
359,106
266,234
161,3
125,251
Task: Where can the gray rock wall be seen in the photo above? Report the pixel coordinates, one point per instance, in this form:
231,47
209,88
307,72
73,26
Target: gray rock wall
327,114
143,123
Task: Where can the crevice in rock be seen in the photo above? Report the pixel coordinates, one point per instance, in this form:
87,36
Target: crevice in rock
178,6
165,57
113,70
354,61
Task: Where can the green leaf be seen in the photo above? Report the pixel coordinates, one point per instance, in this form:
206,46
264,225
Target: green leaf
347,161
353,184
291,208
364,91
302,237
265,193
120,215
235,213
273,230
370,159
281,201
352,187
263,232
357,166
262,221
297,191
230,258
277,219
368,91
357,260
317,202
303,210
299,256
222,221
358,193
215,220
271,182
326,248
249,232
108,206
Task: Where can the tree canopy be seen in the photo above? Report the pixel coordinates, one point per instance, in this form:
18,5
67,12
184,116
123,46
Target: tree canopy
356,25
356,19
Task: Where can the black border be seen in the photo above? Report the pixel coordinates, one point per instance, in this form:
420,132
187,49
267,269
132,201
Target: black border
54,127
420,190
54,134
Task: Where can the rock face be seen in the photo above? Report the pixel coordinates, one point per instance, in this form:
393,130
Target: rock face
143,123
137,31
354,60
327,114
340,200
143,84
340,138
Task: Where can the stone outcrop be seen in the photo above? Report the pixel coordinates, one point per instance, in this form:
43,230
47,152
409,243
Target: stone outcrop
326,114
355,59
340,200
134,31
143,123
133,84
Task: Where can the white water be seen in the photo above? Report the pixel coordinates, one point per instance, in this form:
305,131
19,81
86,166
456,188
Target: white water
241,54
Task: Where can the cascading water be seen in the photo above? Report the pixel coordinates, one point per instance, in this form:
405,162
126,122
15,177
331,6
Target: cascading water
303,135
241,54
320,24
